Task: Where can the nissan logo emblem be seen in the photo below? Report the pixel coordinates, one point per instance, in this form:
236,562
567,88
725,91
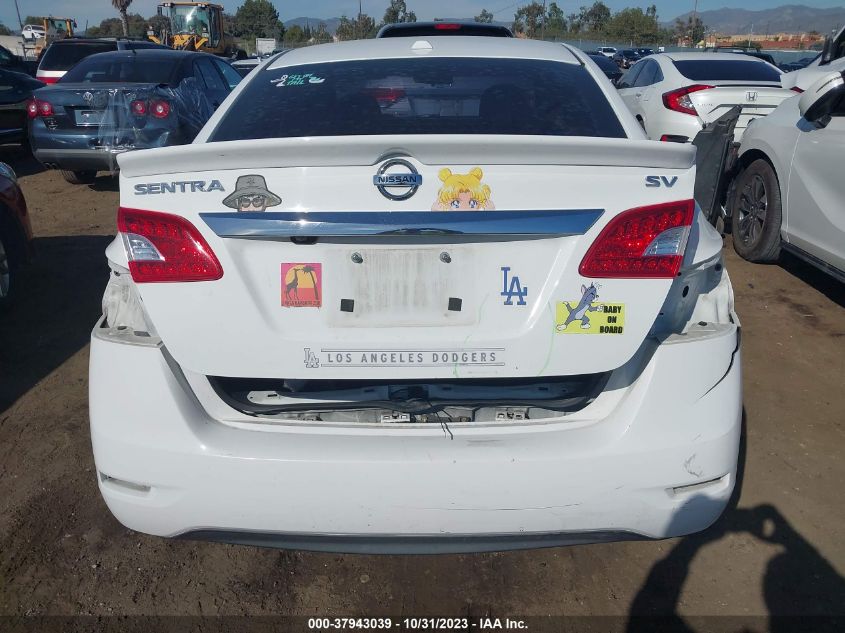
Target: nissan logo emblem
397,179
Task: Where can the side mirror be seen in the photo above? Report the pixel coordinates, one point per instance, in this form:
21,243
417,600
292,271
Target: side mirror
816,102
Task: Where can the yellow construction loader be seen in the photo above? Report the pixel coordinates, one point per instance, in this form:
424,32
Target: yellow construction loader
194,26
54,29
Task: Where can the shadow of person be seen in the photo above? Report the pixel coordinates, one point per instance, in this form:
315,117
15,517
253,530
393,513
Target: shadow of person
53,315
797,583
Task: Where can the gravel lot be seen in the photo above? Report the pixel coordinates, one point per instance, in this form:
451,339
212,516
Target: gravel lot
778,551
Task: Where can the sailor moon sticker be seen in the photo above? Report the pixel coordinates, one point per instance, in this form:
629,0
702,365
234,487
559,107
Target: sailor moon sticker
463,192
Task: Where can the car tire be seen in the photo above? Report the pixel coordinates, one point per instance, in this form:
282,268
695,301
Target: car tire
8,278
79,177
757,214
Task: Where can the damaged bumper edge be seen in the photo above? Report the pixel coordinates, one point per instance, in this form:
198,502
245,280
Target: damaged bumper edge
656,460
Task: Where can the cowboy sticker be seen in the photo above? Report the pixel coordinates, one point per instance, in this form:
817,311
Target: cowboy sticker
251,195
302,285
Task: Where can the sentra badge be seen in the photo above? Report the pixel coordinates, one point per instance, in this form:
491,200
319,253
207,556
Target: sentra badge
188,186
397,180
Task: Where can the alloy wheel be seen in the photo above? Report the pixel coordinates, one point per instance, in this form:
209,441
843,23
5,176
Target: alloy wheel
753,205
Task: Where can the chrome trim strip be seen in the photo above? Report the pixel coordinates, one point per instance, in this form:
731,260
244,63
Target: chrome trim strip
401,223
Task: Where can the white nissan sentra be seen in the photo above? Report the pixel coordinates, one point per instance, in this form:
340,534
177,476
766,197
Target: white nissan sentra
414,295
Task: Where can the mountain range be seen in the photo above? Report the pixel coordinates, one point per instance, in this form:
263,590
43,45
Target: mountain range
786,19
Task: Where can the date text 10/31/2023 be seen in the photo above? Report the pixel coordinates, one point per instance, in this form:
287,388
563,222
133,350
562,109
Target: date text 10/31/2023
418,624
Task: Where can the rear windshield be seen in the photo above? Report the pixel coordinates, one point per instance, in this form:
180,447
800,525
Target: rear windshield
121,69
605,63
421,96
728,70
65,56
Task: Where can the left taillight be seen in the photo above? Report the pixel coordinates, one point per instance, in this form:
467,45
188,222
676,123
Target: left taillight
162,247
38,107
642,243
679,100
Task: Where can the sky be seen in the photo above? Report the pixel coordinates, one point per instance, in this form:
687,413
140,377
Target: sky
94,11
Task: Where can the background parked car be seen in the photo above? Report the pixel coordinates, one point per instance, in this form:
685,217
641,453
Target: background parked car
674,95
607,51
611,70
32,32
110,103
15,91
799,144
62,55
832,58
15,234
645,52
626,58
10,61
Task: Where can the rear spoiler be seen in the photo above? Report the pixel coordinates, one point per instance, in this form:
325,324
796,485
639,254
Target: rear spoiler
463,149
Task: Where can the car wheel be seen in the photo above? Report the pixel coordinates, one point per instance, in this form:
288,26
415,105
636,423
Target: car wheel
79,177
7,287
757,214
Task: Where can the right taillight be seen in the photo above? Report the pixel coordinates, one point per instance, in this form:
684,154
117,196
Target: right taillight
647,242
679,100
162,247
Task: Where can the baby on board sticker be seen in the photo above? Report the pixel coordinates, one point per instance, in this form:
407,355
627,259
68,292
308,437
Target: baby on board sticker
463,192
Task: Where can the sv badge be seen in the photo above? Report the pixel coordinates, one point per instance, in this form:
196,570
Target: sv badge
661,181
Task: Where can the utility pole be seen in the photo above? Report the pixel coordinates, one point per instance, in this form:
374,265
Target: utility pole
17,8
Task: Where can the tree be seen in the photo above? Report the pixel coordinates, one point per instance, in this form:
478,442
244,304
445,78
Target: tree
258,18
555,20
159,24
295,35
632,25
4,30
122,7
594,18
691,29
113,27
485,17
361,27
34,19
321,34
397,11
528,20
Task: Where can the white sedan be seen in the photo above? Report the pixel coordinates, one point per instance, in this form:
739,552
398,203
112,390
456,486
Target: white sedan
789,192
674,95
333,323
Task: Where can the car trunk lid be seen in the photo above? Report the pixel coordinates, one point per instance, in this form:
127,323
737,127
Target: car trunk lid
330,278
756,100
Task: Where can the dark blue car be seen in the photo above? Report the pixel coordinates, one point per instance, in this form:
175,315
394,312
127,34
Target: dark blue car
120,101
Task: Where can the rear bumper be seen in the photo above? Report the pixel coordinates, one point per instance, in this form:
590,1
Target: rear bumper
78,159
655,459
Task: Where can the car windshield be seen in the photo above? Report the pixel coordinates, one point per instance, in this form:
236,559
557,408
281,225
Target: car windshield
62,56
421,96
123,69
728,70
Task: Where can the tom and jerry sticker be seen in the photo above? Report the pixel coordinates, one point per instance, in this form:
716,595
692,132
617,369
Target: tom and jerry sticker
588,316
463,192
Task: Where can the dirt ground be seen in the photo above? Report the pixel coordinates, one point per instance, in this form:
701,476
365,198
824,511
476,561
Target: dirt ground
778,551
